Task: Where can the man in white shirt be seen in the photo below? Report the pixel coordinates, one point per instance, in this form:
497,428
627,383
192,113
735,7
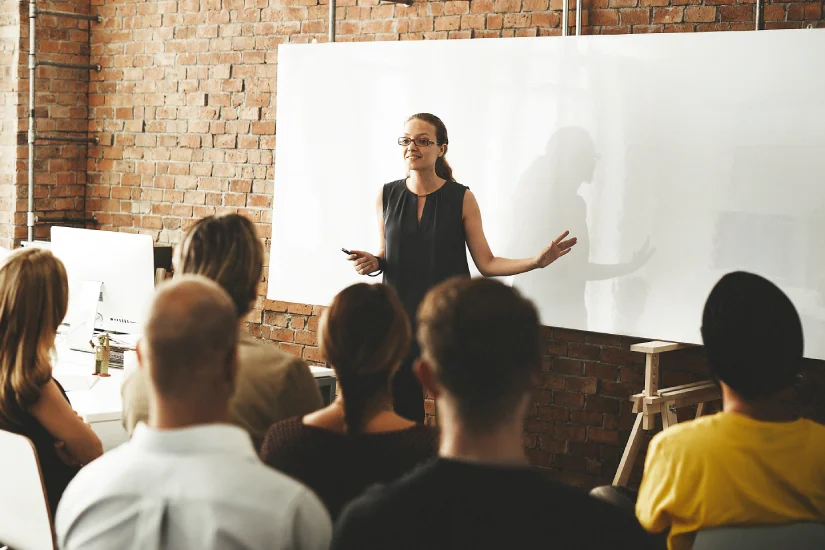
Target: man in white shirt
189,479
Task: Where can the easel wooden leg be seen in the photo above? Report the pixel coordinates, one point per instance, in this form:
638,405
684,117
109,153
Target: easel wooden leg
651,385
631,451
700,409
668,416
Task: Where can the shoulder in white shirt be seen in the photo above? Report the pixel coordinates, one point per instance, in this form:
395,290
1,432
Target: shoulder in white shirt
202,487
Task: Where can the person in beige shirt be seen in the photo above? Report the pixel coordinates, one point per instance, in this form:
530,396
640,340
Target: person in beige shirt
272,385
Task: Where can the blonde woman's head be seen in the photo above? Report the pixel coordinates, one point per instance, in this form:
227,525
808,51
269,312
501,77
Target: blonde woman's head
227,250
34,297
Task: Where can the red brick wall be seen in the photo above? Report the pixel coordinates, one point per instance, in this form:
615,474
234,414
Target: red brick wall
185,110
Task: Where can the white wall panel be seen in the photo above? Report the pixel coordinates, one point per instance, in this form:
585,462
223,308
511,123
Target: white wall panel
673,158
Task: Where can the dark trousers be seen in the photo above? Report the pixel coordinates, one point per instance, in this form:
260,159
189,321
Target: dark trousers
407,394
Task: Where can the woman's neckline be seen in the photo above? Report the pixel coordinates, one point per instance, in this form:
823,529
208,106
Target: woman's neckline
335,433
411,192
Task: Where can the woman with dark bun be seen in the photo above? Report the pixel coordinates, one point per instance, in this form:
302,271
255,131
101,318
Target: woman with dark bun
358,440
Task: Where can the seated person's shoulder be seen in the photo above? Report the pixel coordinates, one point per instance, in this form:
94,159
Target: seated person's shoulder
252,351
575,505
413,490
110,475
698,435
365,523
816,429
816,437
421,440
260,362
284,438
134,384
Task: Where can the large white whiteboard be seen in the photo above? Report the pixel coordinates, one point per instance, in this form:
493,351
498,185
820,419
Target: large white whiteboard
673,158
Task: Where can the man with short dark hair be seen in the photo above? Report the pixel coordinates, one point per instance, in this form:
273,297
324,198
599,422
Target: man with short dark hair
755,463
481,353
188,478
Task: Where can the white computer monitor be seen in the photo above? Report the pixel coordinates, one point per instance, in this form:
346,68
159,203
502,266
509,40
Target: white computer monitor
122,262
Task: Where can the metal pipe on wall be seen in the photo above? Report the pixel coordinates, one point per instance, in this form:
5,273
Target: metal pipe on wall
760,15
70,15
69,139
332,20
86,66
31,133
578,17
31,219
67,219
565,16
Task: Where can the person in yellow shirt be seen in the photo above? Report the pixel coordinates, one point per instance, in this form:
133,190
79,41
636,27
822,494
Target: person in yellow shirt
755,463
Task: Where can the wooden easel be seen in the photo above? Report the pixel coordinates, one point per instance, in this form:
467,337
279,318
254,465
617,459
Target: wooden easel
654,401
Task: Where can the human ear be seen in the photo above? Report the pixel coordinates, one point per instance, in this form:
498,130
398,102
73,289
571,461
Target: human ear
425,373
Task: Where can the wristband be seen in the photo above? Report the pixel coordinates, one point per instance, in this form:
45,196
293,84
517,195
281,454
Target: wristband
382,264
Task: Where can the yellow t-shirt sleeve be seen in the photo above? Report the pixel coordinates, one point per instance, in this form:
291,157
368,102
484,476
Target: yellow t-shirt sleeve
656,494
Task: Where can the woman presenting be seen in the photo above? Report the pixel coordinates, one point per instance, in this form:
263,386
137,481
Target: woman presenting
425,222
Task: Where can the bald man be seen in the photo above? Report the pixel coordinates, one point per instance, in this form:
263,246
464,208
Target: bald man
189,479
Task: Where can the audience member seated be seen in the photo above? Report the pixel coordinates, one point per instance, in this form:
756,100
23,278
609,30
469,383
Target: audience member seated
358,440
755,463
481,355
34,296
188,478
272,385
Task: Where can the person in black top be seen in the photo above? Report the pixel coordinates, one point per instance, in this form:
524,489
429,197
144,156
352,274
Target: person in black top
424,222
34,297
480,354
357,440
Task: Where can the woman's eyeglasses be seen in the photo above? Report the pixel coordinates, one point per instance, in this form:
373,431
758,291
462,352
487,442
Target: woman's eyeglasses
419,142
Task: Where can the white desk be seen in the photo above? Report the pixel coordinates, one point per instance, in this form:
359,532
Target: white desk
101,405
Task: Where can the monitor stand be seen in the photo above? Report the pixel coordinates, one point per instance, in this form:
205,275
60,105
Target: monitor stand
82,324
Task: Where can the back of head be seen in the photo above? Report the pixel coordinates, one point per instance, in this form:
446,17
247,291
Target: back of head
190,340
227,250
483,340
573,156
364,335
752,335
34,297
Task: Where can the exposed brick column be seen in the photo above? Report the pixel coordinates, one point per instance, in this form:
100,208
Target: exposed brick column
9,55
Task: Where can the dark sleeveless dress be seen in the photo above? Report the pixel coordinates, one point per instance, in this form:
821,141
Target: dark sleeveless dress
56,473
419,255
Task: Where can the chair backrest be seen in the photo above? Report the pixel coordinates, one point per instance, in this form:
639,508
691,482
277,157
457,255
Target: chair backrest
794,536
25,523
616,495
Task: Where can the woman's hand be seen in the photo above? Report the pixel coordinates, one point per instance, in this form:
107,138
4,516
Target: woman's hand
364,262
555,250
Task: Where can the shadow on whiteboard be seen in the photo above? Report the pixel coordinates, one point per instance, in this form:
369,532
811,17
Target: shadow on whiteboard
771,238
550,189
